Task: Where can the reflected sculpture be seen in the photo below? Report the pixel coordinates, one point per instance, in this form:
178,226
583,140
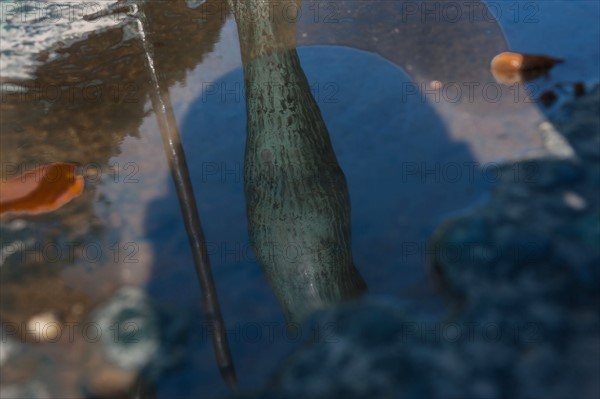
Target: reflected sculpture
298,205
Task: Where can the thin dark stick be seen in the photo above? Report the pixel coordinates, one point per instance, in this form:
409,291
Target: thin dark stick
161,103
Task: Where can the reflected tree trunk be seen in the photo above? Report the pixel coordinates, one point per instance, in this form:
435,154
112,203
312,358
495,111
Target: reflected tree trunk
298,205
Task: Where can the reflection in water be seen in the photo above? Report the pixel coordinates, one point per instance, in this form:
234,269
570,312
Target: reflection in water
97,91
79,107
167,123
297,199
40,190
514,68
447,56
88,96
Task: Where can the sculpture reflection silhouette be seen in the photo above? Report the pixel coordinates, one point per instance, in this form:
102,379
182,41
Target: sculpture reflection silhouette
298,206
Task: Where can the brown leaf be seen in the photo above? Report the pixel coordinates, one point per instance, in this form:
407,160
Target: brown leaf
512,68
523,62
40,190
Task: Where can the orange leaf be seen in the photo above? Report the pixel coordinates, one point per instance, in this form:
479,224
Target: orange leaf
40,190
509,61
514,68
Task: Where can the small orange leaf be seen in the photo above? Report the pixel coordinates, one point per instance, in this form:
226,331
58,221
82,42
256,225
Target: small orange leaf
40,190
514,68
509,61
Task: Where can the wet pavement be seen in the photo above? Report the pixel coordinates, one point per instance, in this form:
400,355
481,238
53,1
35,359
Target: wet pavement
418,124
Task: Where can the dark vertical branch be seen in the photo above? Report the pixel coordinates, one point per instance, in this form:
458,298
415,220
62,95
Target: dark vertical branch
161,103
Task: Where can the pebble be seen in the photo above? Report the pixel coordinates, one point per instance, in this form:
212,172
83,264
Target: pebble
17,224
44,327
435,84
574,201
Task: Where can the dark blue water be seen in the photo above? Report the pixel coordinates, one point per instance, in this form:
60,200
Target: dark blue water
404,176
563,29
407,165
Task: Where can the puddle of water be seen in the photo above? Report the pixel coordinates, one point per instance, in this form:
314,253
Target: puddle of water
394,87
540,28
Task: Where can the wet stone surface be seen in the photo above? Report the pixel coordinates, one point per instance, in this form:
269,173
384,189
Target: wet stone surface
375,126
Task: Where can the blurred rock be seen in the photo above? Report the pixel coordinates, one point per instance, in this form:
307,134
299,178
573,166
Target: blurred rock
130,329
44,327
29,390
129,341
524,290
